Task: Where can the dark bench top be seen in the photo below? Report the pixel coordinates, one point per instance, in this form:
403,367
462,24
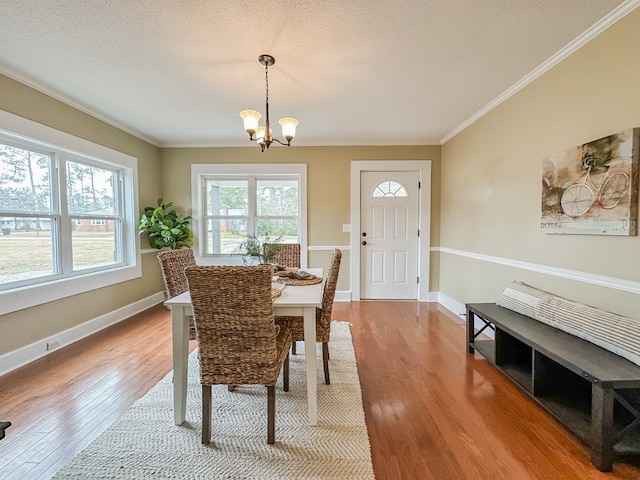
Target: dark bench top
582,357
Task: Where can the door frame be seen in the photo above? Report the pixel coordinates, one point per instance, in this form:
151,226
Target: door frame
424,217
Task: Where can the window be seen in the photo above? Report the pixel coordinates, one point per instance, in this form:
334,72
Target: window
239,200
249,205
67,211
389,188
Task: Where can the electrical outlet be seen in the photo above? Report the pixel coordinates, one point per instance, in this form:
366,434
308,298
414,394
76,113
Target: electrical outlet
53,344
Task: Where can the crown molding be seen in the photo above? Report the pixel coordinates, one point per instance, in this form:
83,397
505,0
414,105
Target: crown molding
40,87
595,30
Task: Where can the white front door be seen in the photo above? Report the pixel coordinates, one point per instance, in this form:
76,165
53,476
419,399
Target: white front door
389,235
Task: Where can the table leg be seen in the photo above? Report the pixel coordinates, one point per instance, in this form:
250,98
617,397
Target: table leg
180,357
310,360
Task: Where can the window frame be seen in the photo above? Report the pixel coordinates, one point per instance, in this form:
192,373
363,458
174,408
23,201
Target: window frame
36,136
199,172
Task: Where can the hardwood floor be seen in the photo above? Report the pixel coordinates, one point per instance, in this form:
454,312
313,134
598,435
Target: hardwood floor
432,410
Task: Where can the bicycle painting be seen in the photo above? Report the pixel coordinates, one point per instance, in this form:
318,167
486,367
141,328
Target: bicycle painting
593,188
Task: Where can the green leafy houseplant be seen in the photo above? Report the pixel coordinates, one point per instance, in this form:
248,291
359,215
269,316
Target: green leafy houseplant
166,228
262,250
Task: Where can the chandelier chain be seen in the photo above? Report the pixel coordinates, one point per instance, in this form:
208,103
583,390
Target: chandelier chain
266,83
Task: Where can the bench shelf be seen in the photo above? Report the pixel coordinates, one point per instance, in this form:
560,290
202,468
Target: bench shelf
593,392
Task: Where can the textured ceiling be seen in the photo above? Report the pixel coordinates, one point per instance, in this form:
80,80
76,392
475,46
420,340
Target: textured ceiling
385,72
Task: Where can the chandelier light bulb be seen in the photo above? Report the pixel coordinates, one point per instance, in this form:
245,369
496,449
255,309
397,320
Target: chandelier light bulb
250,119
288,128
260,134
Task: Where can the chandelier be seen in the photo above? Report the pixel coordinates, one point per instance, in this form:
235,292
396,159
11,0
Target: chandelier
262,134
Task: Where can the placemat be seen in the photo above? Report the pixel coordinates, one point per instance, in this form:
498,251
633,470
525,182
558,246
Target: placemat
299,281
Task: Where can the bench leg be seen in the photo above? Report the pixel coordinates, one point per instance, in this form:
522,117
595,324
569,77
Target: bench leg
602,427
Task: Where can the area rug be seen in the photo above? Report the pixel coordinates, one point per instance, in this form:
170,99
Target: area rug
144,442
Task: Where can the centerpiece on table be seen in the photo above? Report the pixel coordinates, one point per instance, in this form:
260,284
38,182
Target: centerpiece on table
260,250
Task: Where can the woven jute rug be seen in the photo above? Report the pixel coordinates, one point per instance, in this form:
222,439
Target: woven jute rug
144,442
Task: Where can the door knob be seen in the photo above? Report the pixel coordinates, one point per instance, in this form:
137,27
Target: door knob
364,243
364,234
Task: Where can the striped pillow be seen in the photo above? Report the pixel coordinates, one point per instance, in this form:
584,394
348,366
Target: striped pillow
618,334
522,298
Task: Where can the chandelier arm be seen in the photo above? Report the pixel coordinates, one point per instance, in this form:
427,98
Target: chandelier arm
288,144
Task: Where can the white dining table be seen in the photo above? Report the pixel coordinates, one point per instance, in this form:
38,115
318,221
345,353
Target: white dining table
294,301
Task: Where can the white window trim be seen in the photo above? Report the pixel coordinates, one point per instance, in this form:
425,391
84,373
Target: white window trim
198,171
32,295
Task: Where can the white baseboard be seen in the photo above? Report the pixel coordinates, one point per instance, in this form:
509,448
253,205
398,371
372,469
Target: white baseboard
342,296
433,297
17,358
460,310
450,304
27,354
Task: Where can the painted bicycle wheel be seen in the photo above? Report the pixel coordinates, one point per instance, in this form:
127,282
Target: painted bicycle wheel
577,200
614,190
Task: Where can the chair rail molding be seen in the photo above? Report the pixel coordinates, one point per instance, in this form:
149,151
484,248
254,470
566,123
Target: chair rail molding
584,277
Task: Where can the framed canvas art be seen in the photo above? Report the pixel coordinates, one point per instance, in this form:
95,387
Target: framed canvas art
593,188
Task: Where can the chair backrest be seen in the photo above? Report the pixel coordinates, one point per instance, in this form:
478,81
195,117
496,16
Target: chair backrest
235,328
288,254
173,264
329,291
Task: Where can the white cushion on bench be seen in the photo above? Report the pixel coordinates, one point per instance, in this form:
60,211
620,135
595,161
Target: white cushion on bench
618,334
522,298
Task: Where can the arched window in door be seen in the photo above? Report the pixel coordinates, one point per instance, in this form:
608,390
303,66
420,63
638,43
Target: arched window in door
389,188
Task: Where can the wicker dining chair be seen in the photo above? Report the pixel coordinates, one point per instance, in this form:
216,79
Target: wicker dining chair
238,341
323,315
172,265
288,254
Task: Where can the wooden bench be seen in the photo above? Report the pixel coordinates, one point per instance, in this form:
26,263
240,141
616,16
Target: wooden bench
593,392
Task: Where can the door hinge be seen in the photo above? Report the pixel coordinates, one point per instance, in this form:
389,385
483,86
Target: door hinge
418,185
418,280
418,232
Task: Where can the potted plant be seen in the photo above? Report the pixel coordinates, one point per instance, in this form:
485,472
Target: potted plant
166,228
261,250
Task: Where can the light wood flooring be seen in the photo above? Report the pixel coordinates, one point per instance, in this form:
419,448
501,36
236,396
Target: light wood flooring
432,410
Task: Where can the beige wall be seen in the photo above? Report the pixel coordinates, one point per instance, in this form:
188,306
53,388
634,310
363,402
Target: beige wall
485,192
328,183
491,173
166,173
24,327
